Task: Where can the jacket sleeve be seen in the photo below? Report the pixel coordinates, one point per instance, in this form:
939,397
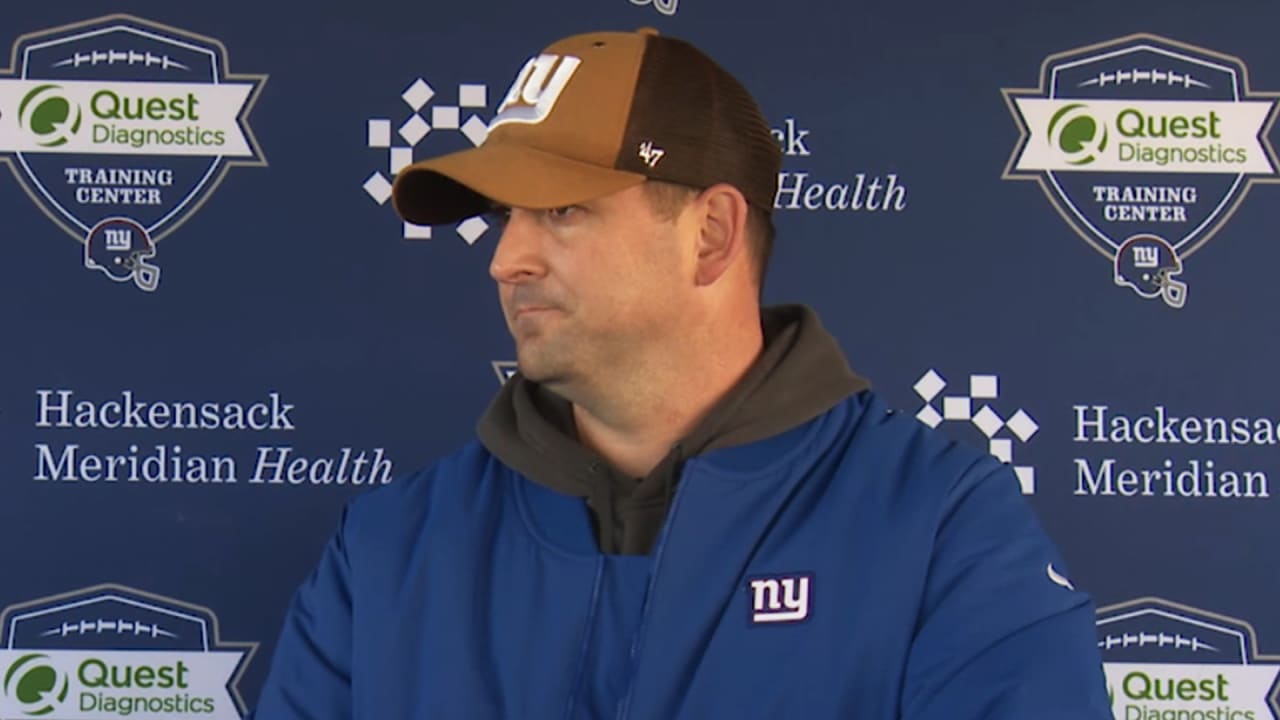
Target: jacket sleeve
310,675
1001,635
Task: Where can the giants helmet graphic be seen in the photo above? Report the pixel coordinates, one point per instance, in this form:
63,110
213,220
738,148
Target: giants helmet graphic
120,248
1147,264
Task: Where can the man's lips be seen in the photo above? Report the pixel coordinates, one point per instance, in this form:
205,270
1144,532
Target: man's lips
528,309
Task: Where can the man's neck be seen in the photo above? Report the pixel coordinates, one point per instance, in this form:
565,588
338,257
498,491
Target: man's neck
636,426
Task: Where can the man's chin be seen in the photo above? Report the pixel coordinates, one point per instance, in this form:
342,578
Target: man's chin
539,370
558,378
549,379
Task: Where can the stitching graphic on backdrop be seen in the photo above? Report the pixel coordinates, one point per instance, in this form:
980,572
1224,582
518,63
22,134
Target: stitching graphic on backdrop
119,129
1163,659
987,420
1146,146
413,130
111,651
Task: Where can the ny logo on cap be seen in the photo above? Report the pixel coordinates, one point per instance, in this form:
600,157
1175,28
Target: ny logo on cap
536,89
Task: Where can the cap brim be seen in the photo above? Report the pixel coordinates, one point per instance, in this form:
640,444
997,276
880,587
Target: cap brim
462,184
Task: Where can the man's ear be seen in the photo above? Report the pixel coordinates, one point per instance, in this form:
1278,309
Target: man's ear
722,237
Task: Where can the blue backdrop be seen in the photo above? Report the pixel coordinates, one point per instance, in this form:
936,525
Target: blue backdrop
960,183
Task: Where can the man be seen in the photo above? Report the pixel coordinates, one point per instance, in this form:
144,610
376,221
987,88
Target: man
682,506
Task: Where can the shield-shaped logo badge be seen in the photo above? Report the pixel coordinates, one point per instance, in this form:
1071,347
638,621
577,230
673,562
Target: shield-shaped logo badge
112,651
1145,146
1164,659
119,128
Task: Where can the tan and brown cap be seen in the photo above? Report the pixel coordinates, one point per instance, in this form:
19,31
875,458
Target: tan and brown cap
597,113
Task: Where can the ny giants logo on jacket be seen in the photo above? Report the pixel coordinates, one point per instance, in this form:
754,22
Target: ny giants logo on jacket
779,599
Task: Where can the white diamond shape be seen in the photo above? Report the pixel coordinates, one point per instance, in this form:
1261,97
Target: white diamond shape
929,385
986,387
1002,448
400,157
1026,478
379,133
988,421
378,188
473,95
444,117
1023,426
471,229
929,416
414,129
417,232
475,130
956,408
417,94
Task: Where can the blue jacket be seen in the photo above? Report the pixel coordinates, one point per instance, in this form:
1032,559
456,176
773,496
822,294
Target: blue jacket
856,566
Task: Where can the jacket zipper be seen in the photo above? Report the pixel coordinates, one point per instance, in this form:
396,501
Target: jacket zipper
624,707
589,630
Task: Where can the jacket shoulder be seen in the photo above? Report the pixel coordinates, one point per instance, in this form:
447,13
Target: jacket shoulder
463,477
893,440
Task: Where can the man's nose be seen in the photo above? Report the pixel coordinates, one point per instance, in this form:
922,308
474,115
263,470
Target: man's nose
517,257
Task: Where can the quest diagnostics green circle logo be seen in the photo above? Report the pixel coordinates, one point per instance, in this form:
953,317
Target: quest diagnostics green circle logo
1076,134
36,684
49,115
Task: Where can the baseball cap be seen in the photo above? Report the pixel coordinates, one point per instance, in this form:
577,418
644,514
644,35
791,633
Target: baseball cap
597,113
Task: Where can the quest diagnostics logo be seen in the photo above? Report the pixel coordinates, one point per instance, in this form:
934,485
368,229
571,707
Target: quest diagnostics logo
35,685
1145,146
119,129
1166,660
49,116
1077,134
111,652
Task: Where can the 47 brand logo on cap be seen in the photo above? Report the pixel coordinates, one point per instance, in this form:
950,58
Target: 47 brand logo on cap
120,128
1145,146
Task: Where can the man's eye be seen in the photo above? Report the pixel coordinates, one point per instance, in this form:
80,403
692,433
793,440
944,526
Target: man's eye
562,212
498,215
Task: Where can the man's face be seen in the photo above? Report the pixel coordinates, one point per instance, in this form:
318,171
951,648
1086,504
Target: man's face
592,288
